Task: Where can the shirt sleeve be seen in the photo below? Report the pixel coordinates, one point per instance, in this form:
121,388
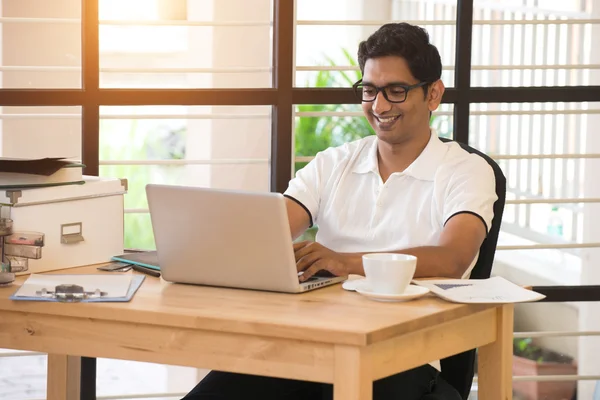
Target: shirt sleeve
305,187
471,189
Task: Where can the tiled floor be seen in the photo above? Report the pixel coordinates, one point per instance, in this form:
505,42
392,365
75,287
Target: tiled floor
24,378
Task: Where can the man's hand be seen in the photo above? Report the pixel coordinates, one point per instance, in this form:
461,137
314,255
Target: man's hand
312,257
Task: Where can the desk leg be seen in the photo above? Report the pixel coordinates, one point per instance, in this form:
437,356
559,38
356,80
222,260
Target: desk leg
495,360
63,377
352,380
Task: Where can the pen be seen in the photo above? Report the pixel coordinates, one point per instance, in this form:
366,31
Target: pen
146,271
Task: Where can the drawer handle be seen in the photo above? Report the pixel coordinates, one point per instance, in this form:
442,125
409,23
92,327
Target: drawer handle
71,233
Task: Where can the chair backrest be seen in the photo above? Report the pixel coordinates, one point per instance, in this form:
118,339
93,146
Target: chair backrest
458,370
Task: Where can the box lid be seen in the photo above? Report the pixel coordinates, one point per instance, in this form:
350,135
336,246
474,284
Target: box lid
93,187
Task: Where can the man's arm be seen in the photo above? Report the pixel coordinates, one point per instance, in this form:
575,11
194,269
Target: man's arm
298,218
459,243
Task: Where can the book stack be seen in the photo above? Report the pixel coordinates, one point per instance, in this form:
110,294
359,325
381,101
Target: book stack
20,173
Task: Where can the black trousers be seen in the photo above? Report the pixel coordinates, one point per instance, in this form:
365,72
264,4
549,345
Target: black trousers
409,385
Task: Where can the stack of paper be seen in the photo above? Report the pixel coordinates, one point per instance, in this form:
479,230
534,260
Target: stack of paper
83,288
18,173
492,290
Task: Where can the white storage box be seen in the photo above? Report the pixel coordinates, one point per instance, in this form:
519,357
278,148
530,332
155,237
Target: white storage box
81,224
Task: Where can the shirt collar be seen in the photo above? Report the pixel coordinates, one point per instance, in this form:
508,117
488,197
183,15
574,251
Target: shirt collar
423,168
427,163
368,159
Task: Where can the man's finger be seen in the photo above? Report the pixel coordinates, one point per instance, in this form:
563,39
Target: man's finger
301,244
303,251
306,261
309,272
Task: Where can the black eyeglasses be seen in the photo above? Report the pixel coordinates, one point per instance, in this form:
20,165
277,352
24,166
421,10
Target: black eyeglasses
394,93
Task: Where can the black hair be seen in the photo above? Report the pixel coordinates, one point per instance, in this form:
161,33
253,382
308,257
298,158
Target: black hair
407,41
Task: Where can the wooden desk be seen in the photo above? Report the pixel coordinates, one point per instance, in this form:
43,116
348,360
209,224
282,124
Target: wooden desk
327,335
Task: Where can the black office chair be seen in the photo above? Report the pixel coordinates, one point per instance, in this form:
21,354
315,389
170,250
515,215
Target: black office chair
458,370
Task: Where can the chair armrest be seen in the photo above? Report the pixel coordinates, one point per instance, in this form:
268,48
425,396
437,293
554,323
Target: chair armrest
568,293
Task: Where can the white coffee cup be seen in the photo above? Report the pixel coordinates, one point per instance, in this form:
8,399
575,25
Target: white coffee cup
389,273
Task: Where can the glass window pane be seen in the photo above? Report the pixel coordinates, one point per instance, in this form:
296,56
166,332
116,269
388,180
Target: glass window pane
218,147
442,121
40,44
507,51
179,44
37,132
320,126
554,355
326,47
549,153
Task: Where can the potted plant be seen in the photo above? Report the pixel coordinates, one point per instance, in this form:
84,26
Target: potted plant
532,360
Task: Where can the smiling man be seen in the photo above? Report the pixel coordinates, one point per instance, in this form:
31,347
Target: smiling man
400,190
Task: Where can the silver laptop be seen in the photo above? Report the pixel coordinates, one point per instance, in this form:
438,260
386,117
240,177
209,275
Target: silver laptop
225,238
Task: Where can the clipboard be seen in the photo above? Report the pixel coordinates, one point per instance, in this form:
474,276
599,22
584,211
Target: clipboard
133,285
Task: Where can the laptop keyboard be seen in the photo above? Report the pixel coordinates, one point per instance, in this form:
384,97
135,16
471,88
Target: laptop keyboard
313,278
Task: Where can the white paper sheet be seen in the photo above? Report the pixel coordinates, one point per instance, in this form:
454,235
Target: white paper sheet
492,290
113,285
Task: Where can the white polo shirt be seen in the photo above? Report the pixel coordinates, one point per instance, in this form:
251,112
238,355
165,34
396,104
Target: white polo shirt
343,192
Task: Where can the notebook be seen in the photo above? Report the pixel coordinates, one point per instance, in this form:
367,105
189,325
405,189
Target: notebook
148,259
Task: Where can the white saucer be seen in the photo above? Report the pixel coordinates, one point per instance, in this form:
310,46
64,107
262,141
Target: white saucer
412,292
353,283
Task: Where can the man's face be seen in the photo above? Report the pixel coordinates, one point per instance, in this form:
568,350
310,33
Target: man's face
396,123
